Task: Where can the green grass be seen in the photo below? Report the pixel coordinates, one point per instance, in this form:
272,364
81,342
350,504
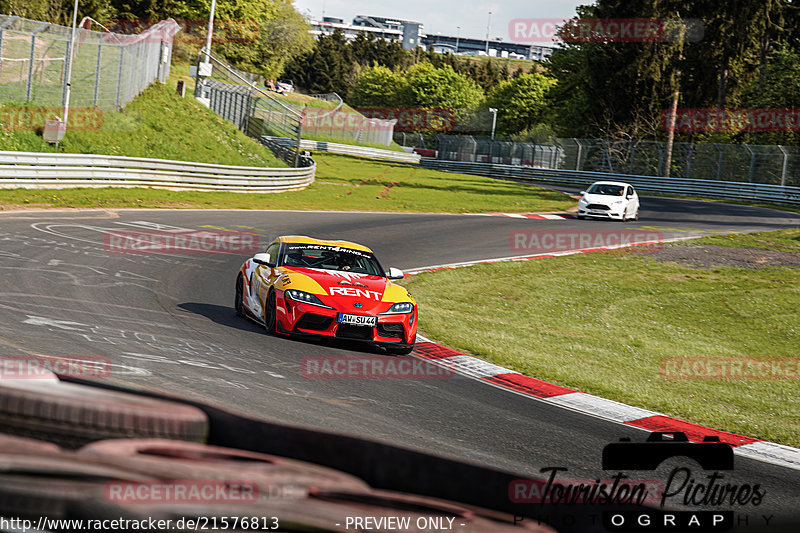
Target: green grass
157,124
602,323
342,183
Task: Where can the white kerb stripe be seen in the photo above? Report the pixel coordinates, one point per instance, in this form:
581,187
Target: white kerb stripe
601,407
474,367
771,452
552,217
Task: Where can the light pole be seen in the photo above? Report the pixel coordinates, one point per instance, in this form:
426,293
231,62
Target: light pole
69,64
458,36
488,28
210,31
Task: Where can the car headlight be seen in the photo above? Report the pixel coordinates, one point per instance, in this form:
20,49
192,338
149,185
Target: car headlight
305,297
400,308
583,201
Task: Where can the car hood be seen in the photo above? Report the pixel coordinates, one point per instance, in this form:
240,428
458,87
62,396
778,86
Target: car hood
603,199
343,286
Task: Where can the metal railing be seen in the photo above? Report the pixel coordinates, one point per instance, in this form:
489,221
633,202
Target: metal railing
724,190
346,149
108,69
58,171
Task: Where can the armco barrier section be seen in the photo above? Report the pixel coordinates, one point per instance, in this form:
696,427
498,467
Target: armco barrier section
60,171
347,149
723,190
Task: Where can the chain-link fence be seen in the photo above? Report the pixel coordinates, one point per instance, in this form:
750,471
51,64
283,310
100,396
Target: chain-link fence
254,110
108,69
769,164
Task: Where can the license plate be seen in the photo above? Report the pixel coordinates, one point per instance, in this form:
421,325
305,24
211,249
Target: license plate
357,320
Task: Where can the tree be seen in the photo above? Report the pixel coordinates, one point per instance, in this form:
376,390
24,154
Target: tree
429,86
378,86
520,102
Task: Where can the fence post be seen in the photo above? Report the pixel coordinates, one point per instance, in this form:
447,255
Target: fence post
580,152
784,166
719,161
29,88
10,20
97,74
119,75
752,163
633,157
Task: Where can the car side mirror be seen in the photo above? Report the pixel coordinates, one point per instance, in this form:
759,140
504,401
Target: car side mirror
582,193
395,273
263,259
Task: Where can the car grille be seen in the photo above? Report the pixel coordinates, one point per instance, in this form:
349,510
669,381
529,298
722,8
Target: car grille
391,329
597,206
349,331
314,322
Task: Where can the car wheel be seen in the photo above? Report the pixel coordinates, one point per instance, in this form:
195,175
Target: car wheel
580,217
239,295
636,214
270,314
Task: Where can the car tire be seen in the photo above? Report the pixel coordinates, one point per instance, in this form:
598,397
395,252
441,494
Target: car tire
238,304
71,415
636,214
580,217
271,314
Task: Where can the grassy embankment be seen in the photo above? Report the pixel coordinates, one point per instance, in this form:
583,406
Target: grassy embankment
604,323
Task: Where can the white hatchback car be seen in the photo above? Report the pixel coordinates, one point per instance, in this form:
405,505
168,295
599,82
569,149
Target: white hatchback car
609,199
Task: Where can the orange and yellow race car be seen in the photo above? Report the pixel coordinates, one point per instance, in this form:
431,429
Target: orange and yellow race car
305,286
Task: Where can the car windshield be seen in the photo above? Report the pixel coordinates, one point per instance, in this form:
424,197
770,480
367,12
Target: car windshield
330,258
608,190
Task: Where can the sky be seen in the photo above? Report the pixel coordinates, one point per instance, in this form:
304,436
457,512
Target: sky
444,16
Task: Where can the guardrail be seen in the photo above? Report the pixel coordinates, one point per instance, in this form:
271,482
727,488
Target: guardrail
60,171
723,190
347,149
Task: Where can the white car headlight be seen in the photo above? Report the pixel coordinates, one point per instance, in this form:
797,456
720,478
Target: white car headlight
305,297
583,200
400,309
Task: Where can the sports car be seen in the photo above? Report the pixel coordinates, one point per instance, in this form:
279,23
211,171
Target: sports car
609,199
306,286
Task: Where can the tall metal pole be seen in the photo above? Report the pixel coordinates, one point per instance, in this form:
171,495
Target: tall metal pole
69,65
493,111
458,36
210,31
488,29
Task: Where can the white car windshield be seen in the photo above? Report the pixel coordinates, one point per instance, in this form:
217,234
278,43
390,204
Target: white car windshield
608,190
330,258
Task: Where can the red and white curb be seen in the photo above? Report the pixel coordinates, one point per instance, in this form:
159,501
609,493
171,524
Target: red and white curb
596,406
538,216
